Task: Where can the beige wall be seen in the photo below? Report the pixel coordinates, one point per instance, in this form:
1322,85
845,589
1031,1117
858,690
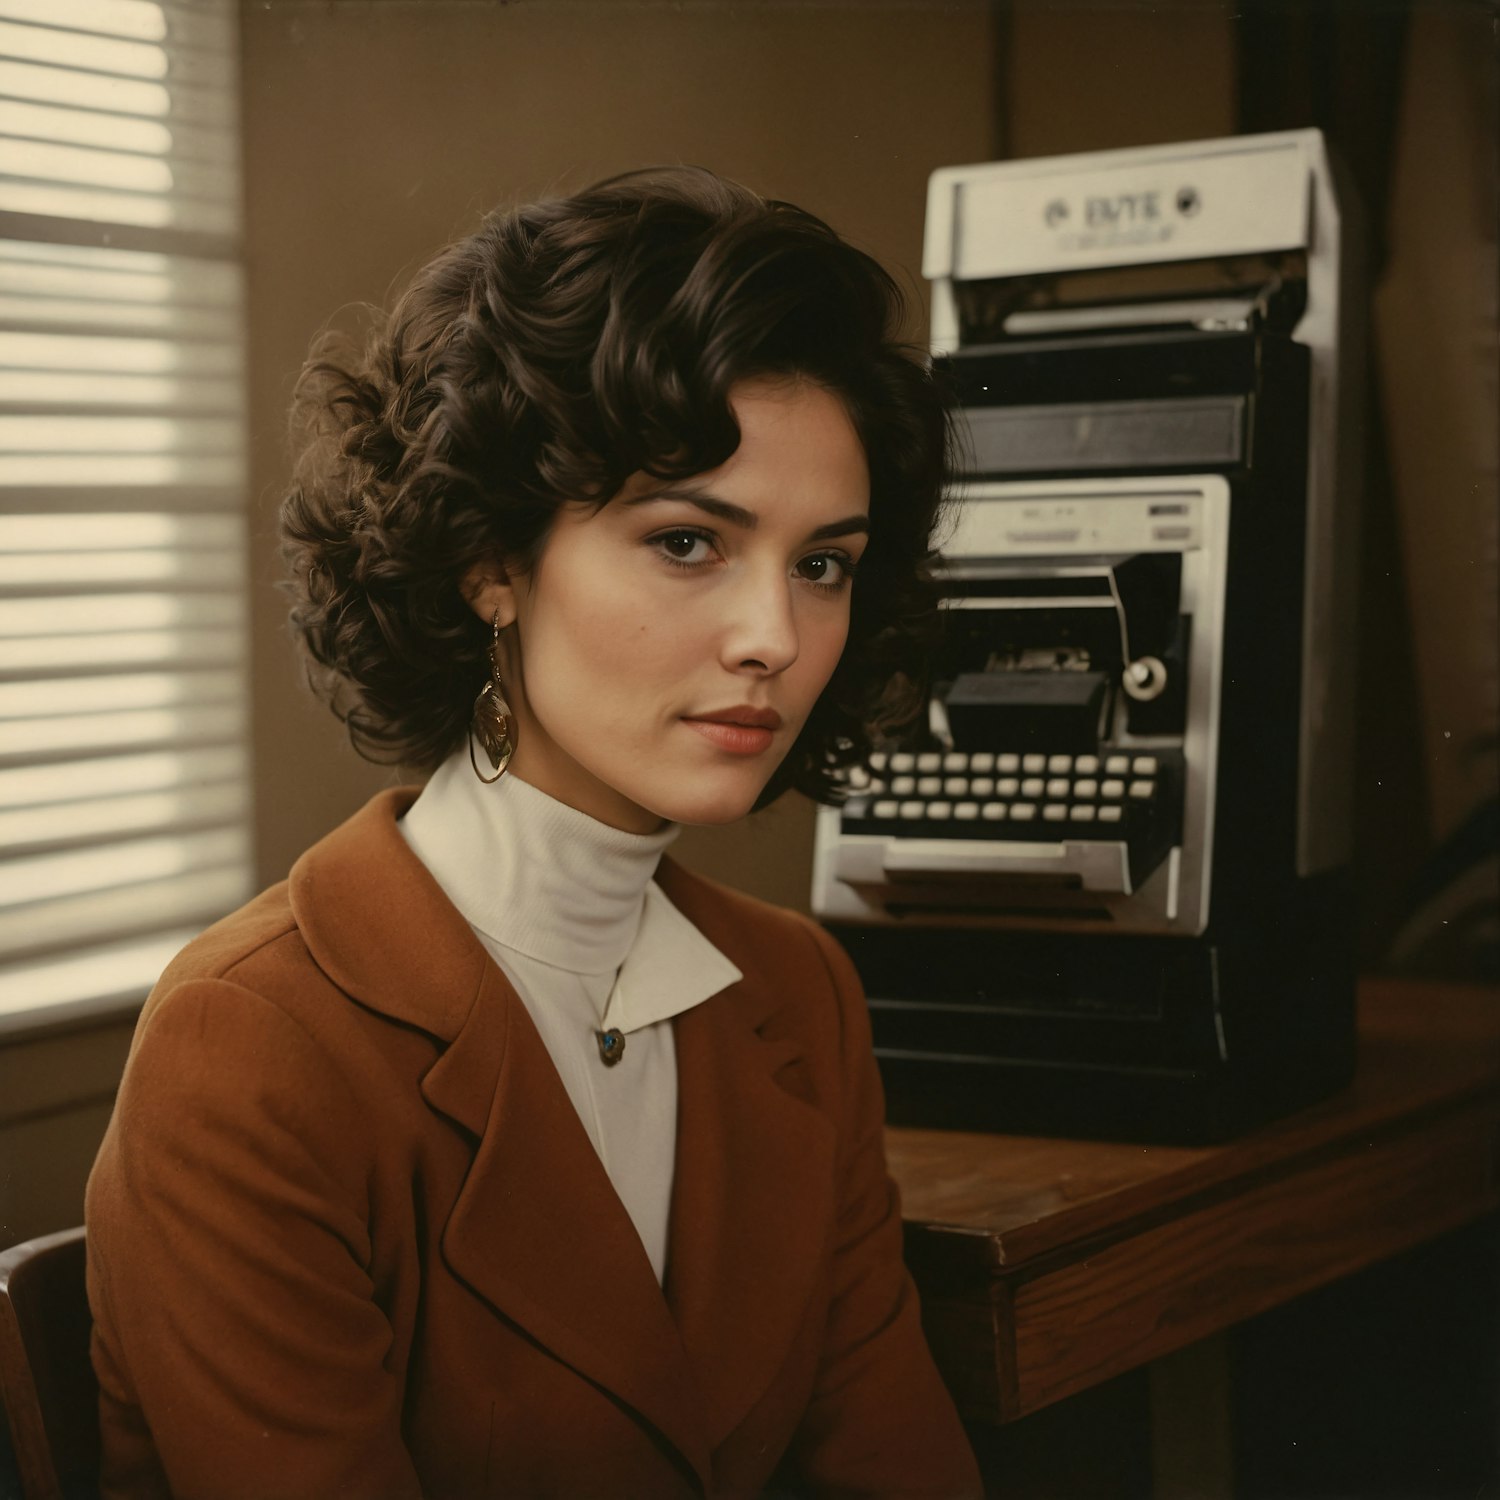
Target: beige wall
375,133
1435,329
1087,75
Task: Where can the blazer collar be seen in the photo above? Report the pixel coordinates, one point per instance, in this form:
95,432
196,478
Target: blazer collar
380,926
755,1162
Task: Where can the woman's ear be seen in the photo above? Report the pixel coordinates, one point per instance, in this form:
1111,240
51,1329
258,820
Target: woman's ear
489,592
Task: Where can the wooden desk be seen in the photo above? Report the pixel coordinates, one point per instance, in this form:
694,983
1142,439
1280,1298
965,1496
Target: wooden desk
1048,1266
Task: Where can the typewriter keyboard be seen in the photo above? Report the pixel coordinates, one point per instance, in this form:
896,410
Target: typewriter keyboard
1015,796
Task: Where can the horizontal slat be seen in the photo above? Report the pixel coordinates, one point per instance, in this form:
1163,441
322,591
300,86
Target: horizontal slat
199,646
58,987
89,569
174,141
116,275
139,20
119,775
31,739
77,49
102,257
131,690
62,436
78,127
87,166
32,829
48,926
49,85
101,530
32,880
207,215
44,389
121,355
40,313
122,469
106,612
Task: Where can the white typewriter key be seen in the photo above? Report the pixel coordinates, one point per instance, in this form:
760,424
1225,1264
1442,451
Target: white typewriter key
904,786
1033,786
955,760
1142,789
913,809
983,761
1060,764
1144,765
1117,765
1087,765
983,785
940,810
1110,814
929,760
904,761
1007,786
1112,789
956,786
1008,764
1058,786
1055,812
1023,812
966,811
929,786
994,811
1082,812
877,761
1033,763
1086,788
886,809
858,777
875,787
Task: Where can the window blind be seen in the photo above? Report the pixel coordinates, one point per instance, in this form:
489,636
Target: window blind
124,775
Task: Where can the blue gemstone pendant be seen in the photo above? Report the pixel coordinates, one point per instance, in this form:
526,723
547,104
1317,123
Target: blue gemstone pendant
611,1046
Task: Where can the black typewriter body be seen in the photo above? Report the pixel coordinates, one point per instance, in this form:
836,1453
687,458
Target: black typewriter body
1097,891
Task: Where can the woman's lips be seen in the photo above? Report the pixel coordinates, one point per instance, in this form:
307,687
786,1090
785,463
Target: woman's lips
738,739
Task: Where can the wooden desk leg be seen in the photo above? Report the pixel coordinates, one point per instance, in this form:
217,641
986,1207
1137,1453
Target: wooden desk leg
1192,1447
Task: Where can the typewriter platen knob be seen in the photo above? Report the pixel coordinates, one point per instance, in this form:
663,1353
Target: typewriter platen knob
1145,678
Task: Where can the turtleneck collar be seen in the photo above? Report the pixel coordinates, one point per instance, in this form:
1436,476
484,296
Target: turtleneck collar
532,873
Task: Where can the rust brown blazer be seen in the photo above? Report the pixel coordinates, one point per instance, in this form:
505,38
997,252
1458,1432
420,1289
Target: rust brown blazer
347,1236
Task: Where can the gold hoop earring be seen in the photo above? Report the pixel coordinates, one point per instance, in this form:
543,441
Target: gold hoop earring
492,723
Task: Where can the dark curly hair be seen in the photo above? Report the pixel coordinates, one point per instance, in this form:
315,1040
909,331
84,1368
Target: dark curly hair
549,356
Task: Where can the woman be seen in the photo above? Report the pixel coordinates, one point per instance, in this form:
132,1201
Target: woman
493,1153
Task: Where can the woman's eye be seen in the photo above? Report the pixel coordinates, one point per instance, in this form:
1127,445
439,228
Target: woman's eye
685,547
829,570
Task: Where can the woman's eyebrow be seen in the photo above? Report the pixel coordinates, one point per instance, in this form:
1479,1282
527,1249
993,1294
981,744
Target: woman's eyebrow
737,515
849,526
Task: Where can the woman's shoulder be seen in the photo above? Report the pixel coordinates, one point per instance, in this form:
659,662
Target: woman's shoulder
256,953
232,942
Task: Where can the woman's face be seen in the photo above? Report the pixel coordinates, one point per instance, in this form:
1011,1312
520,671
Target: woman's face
666,650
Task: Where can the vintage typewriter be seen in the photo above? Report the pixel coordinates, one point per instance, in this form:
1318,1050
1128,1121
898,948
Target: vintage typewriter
1099,888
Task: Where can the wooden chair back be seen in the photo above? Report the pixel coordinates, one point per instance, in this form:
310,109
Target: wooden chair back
47,1385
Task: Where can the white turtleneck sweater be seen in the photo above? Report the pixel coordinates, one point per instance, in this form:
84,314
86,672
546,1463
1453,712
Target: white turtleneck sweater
567,907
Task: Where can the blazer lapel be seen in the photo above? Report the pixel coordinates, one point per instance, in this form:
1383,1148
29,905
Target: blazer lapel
537,1229
539,1232
752,1200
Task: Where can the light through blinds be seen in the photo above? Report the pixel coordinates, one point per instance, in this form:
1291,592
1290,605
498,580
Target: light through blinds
123,766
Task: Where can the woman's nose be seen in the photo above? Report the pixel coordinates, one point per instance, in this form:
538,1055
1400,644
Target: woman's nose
761,632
